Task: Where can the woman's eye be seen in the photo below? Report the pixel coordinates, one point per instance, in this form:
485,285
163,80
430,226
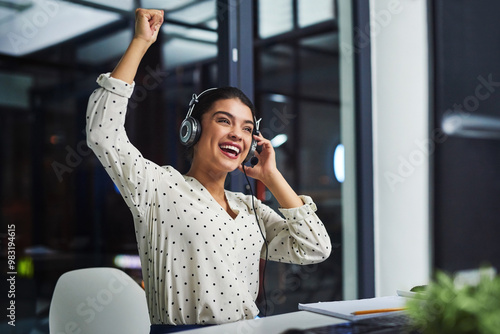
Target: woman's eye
249,130
223,120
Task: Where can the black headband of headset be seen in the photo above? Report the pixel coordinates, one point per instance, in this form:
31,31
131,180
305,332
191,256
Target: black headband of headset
196,98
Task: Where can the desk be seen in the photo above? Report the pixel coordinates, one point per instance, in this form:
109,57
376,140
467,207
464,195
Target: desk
272,324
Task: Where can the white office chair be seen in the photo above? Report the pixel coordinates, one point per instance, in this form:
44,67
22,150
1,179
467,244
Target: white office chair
98,300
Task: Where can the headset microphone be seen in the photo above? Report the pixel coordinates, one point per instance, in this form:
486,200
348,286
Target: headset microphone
254,160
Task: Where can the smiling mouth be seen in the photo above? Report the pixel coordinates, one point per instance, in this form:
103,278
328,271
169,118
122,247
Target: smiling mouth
230,150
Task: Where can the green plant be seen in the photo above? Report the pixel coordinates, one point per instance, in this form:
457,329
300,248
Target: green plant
447,307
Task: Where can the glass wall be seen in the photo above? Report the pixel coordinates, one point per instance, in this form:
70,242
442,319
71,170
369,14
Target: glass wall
297,93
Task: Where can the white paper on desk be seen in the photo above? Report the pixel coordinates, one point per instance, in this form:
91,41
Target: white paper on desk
344,309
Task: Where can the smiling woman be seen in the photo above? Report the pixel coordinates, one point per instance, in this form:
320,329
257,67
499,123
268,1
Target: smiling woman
200,104
200,245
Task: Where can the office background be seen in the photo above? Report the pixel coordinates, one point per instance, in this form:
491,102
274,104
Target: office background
66,211
376,76
435,122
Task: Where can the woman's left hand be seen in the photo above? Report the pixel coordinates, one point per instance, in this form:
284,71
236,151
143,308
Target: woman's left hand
266,167
267,172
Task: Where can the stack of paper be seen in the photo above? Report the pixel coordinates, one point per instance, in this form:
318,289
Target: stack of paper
346,309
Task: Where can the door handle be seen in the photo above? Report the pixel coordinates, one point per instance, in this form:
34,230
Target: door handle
471,126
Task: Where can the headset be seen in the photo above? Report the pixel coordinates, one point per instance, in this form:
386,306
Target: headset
190,130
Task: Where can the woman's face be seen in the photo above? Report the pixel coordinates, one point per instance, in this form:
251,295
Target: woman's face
226,135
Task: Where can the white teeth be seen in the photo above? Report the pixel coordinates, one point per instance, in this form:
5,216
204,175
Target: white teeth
231,147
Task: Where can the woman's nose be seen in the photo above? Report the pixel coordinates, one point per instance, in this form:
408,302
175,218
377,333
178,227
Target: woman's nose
235,135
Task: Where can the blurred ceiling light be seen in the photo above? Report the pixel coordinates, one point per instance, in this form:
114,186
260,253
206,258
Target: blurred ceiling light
46,23
17,5
279,140
170,5
197,13
127,261
277,98
339,163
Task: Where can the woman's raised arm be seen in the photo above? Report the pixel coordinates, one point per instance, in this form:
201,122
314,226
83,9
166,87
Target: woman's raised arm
147,27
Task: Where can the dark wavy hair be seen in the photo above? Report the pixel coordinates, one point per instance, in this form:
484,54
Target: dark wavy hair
206,100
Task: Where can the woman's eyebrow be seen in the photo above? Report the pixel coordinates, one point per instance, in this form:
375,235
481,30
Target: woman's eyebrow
232,116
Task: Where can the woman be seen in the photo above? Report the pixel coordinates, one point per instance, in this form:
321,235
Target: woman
200,245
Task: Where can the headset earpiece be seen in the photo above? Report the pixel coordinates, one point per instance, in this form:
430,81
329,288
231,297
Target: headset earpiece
190,129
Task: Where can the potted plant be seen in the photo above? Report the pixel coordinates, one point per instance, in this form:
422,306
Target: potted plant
447,305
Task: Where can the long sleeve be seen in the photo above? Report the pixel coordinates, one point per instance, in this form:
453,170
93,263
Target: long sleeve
300,238
106,136
297,237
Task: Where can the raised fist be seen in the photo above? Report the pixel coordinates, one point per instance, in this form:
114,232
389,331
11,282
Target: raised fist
148,23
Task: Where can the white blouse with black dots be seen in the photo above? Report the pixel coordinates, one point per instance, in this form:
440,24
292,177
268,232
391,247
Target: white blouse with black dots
199,265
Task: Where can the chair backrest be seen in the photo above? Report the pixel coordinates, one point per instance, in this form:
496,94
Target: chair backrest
98,300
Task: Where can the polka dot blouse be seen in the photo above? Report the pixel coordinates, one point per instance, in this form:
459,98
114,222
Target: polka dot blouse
199,265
